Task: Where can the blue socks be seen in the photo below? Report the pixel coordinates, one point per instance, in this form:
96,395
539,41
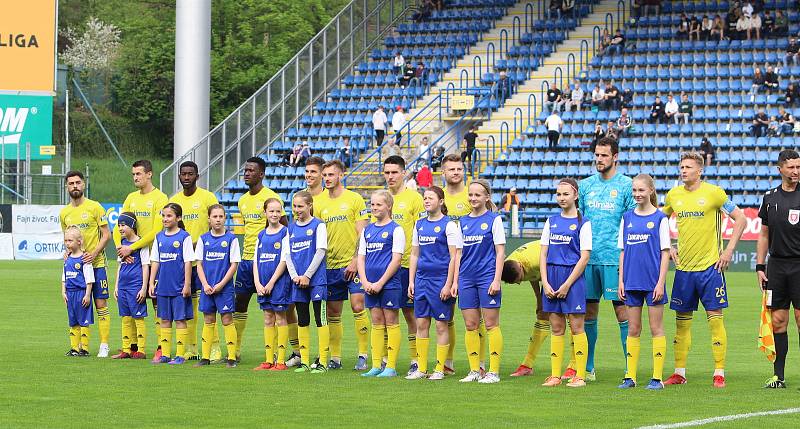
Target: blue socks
590,327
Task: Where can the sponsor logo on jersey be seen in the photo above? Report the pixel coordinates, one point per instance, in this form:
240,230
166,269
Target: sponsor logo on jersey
374,247
560,239
602,205
267,257
471,240
215,256
425,240
692,214
299,246
634,239
167,257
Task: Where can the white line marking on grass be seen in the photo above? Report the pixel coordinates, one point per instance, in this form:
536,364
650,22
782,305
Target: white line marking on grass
723,419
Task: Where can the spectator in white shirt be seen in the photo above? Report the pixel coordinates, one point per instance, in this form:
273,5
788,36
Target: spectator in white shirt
398,122
575,98
379,124
598,96
423,147
670,109
554,125
398,63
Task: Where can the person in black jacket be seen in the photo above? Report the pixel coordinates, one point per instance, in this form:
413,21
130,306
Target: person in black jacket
657,111
770,79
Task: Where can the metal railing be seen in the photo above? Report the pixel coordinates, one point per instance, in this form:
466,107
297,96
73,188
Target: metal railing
292,92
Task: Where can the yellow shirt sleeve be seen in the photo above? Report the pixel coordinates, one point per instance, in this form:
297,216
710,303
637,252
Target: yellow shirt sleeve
360,208
159,202
667,209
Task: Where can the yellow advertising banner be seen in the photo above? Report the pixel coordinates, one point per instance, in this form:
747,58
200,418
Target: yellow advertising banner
462,102
28,45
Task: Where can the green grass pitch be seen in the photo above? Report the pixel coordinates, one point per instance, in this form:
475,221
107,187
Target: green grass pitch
42,388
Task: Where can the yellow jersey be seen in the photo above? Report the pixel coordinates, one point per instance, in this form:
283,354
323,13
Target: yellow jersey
147,208
457,204
699,216
407,210
251,207
527,256
89,216
340,216
195,211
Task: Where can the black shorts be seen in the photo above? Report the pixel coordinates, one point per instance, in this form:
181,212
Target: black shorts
379,134
783,287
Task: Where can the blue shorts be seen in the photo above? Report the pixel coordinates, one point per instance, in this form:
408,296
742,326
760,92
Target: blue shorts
637,298
338,287
100,287
311,293
174,308
427,302
280,299
244,279
475,294
602,281
77,314
402,274
390,299
128,306
196,285
575,302
706,286
221,302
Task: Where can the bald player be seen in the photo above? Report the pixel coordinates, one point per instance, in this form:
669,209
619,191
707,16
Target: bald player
522,265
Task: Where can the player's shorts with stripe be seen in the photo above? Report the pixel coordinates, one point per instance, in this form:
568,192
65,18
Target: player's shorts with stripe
602,281
402,274
77,314
391,299
474,293
783,288
575,301
338,287
691,287
637,298
427,302
174,308
308,294
128,306
279,300
100,286
221,302
244,278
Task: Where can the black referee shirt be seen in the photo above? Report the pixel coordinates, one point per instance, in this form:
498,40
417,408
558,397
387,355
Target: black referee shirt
780,211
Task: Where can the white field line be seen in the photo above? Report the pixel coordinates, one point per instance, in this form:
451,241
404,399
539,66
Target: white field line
723,419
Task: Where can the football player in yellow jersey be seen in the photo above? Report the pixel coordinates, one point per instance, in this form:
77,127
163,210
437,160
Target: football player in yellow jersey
700,262
251,207
345,216
408,208
195,202
146,203
522,265
90,218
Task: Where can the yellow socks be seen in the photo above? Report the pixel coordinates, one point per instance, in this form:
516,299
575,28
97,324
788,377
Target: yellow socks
632,358
495,349
393,345
472,342
183,335
166,342
482,337
158,325
215,340
581,353
85,338
451,330
269,339
719,340
127,328
412,346
141,333
377,344
441,355
231,337
541,329
324,340
75,338
191,327
683,339
556,354
240,321
283,343
207,339
104,324
293,341
363,333
336,332
659,353
304,340
571,363
422,353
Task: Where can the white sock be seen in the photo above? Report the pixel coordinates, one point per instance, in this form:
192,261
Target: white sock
681,372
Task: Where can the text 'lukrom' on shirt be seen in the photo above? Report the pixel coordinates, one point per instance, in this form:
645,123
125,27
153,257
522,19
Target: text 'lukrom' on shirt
604,202
340,215
77,274
377,244
566,237
251,208
217,253
268,255
171,252
434,239
130,274
699,215
478,255
642,238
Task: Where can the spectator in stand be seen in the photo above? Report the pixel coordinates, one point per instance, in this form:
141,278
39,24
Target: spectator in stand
670,110
567,6
554,124
611,130
707,150
575,97
379,124
755,26
684,110
398,63
502,88
599,133
656,111
424,177
694,29
420,73
295,154
409,72
624,122
787,122
469,144
760,124
774,127
554,11
743,27
344,153
438,4
731,19
617,44
705,28
758,81
299,156
768,24
770,79
424,11
682,32
598,96
605,42
612,97
399,121
792,95
555,99
781,25
718,28
627,98
422,149
652,7
792,52
509,200
437,157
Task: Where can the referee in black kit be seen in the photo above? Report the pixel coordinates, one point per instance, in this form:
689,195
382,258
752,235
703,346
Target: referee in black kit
780,236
